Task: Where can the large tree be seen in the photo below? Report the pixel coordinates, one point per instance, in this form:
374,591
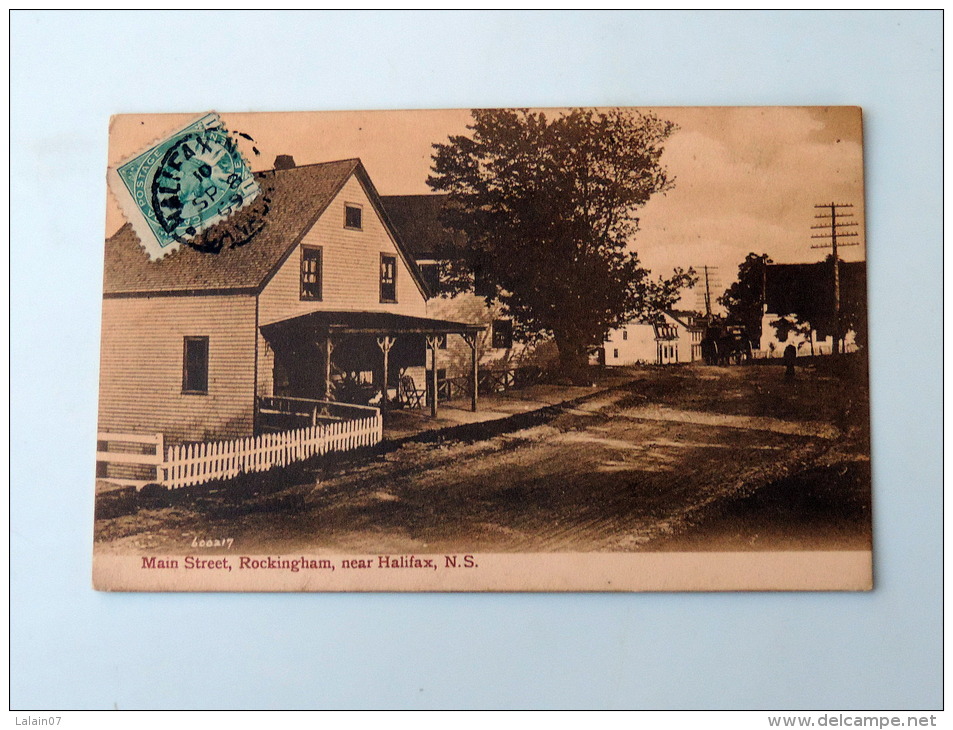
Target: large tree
744,299
548,207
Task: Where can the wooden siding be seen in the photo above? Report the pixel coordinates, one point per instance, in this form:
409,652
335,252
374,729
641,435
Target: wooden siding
141,370
351,267
637,346
350,275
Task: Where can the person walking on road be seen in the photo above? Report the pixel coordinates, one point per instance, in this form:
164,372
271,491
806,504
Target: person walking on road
790,353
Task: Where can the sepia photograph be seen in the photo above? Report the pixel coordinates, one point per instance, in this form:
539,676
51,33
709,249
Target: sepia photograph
476,360
573,349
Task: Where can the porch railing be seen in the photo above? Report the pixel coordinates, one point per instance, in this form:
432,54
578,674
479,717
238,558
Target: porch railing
458,387
279,413
496,380
502,379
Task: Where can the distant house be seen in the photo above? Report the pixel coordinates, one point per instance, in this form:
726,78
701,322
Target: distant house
325,301
429,242
808,290
671,337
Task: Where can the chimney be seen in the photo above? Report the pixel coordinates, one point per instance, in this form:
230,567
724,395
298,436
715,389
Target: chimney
284,162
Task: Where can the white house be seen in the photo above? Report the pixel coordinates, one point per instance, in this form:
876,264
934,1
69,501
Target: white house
672,337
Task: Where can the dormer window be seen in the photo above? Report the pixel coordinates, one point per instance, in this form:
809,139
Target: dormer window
352,216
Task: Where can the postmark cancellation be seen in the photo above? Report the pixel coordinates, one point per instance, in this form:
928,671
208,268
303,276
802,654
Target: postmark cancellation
182,185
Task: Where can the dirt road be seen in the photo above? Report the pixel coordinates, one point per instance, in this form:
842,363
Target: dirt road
682,458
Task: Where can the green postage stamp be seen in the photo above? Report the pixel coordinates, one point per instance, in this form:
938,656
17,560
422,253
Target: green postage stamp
182,185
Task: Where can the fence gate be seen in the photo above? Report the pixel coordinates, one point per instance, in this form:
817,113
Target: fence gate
114,448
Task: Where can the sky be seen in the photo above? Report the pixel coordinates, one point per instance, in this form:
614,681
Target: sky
746,178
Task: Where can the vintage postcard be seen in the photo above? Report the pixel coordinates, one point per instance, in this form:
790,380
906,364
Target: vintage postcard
611,349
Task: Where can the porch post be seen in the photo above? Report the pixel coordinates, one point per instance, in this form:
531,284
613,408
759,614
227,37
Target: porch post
472,339
328,349
385,343
433,343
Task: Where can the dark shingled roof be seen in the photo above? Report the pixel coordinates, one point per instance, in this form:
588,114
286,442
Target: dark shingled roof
296,198
417,220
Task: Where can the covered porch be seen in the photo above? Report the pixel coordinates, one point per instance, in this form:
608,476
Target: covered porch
363,358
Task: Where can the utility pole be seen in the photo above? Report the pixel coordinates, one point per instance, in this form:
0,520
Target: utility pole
711,281
707,297
833,227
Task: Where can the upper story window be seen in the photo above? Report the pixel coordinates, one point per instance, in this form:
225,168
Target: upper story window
502,334
666,332
388,278
482,285
352,216
195,365
311,273
431,276
625,334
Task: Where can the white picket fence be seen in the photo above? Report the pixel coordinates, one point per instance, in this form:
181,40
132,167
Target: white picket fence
191,464
199,463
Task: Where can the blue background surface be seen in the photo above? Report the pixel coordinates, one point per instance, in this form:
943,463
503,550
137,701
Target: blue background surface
75,648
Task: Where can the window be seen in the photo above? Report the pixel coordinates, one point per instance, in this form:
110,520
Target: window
615,353
482,286
352,216
311,273
625,334
431,276
502,334
195,365
388,278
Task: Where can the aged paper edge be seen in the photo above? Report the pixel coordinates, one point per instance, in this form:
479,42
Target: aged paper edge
536,572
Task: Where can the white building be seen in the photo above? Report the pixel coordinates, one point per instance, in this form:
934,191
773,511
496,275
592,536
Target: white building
674,337
807,344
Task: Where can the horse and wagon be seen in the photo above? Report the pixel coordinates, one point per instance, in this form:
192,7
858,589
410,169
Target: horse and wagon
726,345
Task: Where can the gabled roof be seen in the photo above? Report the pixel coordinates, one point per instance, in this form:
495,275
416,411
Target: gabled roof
680,316
684,317
296,199
417,219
